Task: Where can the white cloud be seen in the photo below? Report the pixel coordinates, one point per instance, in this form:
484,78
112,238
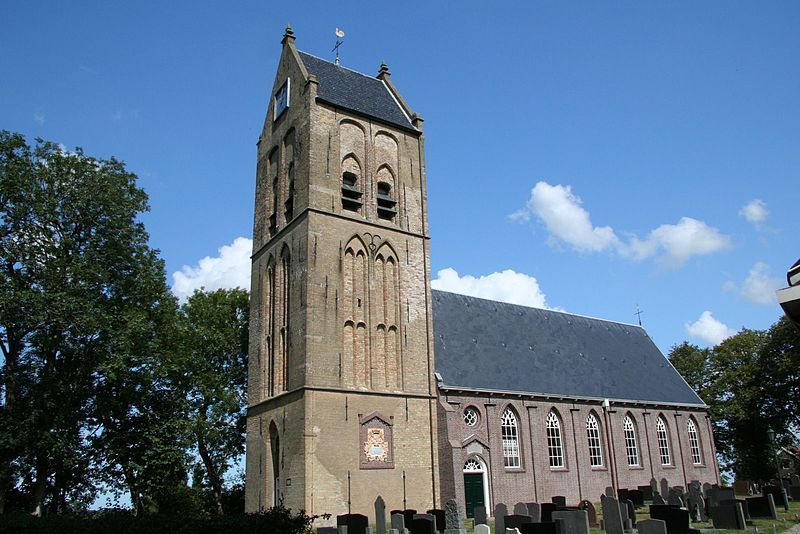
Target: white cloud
39,117
755,212
679,242
506,286
759,286
229,269
708,329
567,221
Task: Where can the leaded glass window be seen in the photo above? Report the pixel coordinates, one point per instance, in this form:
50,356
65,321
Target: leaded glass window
663,441
593,437
472,465
554,447
510,436
470,416
631,449
694,442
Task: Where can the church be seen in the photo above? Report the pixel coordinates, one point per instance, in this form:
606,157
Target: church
364,381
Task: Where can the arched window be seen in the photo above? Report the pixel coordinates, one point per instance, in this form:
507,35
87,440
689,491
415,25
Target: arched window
555,450
510,435
663,441
631,449
593,437
694,442
351,184
470,416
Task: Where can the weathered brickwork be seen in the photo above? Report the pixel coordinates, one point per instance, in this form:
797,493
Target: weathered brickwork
535,480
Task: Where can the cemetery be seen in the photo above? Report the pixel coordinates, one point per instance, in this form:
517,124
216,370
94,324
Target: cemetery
643,510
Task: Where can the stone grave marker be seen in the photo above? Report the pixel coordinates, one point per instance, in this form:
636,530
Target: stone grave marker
398,522
380,516
664,487
778,495
482,528
745,509
654,485
715,495
591,513
535,511
647,492
622,494
762,507
521,508
741,487
439,518
728,516
541,528
658,499
675,499
480,515
423,524
637,496
652,526
677,519
452,518
559,500
515,520
609,491
547,509
706,487
612,518
500,513
794,480
355,523
630,511
409,514
697,507
572,521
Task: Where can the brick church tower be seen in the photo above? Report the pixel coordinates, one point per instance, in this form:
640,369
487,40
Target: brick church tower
342,393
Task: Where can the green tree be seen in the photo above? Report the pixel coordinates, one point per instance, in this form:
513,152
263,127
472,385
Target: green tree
80,291
213,347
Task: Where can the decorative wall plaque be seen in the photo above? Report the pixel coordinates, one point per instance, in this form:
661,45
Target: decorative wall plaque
376,442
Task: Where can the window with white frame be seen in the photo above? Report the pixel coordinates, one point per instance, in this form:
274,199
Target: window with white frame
470,416
510,436
694,442
663,441
631,449
593,436
554,447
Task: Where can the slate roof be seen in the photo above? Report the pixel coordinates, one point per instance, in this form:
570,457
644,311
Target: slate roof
488,345
354,91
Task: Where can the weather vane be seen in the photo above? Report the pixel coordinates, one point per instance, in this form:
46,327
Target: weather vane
339,41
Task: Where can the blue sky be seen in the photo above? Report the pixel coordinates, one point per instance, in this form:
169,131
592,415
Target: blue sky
584,156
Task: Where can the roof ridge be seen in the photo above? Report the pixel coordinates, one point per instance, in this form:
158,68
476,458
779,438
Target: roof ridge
544,309
339,66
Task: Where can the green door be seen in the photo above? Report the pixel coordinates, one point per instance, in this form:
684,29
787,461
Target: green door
473,492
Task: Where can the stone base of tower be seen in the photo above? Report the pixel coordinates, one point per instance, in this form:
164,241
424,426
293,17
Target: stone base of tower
325,438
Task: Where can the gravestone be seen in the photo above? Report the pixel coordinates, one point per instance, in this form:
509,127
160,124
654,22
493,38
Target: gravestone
521,508
706,487
743,502
480,515
637,496
794,480
741,487
546,509
609,491
664,487
559,500
675,499
778,495
534,510
409,514
612,518
677,519
654,485
355,523
622,494
728,516
398,522
423,524
482,528
630,511
652,526
762,507
515,520
500,513
452,519
541,528
380,516
716,495
697,507
658,499
647,492
572,521
439,519
591,513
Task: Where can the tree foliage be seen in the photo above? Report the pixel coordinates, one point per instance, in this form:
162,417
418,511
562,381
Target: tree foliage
750,382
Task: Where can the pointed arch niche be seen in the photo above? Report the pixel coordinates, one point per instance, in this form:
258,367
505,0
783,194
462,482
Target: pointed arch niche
355,368
386,361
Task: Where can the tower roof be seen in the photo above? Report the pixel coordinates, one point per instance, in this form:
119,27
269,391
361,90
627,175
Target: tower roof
487,345
356,92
